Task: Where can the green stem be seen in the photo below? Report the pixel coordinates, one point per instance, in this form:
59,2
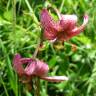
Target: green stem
31,12
40,41
55,9
14,15
36,50
2,82
14,32
36,86
36,80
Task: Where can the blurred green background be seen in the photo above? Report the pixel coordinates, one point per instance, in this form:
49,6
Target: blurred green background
19,33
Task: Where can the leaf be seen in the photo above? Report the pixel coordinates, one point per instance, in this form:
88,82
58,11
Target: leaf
8,15
52,61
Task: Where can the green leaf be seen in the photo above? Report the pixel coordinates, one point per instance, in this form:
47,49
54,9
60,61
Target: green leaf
8,15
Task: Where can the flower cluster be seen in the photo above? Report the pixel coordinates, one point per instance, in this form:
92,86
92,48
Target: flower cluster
64,29
34,68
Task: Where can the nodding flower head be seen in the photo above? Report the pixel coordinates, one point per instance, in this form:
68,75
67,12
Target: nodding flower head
64,29
34,68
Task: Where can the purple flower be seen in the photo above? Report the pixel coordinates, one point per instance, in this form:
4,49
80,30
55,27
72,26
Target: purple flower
34,68
64,29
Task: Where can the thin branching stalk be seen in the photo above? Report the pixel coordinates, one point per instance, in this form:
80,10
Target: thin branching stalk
36,50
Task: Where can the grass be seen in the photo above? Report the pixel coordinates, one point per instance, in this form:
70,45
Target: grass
19,33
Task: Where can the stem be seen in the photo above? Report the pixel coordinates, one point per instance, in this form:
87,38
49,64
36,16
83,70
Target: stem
55,9
36,50
14,32
4,86
36,80
14,22
31,12
14,15
36,86
40,41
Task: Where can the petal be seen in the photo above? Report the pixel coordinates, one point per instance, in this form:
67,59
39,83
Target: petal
46,19
50,34
77,30
30,68
17,64
53,40
55,78
37,68
26,60
68,22
49,25
41,68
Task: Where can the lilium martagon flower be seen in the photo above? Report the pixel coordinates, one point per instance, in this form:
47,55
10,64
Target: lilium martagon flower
33,68
63,29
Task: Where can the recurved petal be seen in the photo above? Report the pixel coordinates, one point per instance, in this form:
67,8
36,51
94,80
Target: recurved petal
46,20
30,68
77,30
55,78
37,68
26,60
49,26
17,64
69,17
68,22
41,68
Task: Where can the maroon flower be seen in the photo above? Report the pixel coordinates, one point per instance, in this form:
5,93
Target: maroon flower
64,29
34,68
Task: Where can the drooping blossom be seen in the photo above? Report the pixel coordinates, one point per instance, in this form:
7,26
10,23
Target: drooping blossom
34,68
63,29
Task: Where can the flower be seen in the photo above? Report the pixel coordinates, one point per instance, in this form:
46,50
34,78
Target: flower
34,68
64,29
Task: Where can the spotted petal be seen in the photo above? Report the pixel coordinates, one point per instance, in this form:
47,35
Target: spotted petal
37,68
68,22
30,68
50,27
41,68
17,64
77,30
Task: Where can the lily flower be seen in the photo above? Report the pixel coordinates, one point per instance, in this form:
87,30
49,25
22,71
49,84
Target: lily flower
63,29
34,68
